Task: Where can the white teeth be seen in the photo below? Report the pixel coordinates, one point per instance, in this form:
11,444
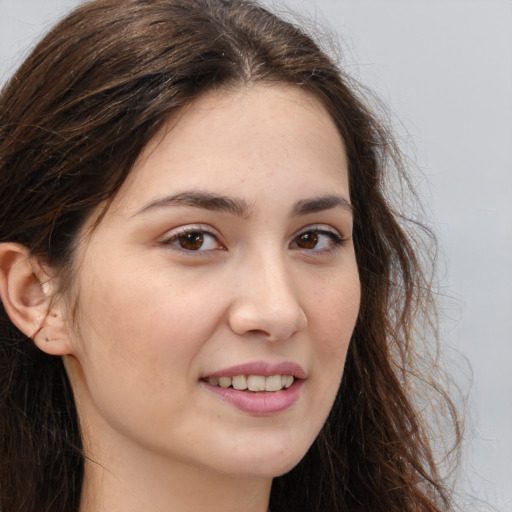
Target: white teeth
256,383
253,382
273,383
240,382
224,382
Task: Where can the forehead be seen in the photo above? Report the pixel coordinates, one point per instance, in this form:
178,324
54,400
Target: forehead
239,141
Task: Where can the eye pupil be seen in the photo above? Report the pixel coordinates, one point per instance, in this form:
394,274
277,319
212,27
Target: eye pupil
191,241
307,240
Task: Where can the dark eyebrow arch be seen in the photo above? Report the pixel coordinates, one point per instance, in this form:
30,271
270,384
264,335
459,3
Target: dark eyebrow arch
205,200
241,208
322,203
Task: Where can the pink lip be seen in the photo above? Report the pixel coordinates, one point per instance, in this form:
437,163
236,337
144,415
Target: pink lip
261,368
261,403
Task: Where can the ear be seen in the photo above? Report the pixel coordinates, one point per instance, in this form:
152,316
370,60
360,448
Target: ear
26,293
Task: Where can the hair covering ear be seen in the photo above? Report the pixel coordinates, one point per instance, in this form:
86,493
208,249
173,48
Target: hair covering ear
25,291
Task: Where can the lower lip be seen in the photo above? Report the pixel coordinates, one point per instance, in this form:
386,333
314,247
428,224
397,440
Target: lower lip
261,403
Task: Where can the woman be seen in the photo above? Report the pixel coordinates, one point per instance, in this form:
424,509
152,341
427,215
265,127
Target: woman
208,303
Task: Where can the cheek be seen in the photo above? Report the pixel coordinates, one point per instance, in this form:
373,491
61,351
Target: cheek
336,310
152,322
137,342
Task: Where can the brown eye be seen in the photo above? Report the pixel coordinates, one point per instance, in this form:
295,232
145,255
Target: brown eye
192,241
317,240
307,240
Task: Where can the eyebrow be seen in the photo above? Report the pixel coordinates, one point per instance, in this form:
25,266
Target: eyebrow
240,207
321,203
204,200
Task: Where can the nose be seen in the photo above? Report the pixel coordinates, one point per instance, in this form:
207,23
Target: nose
266,302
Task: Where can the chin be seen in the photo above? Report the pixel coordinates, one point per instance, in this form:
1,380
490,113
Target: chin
268,461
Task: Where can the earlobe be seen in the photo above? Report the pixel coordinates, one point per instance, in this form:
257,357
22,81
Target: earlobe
26,294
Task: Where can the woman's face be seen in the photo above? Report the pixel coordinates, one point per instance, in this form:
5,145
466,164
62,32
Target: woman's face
225,261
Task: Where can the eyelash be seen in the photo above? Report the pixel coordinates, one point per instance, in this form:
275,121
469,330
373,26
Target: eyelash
335,239
180,233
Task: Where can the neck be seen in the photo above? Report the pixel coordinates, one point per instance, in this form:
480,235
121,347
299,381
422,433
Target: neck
130,482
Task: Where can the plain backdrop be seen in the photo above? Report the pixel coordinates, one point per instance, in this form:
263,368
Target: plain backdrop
444,67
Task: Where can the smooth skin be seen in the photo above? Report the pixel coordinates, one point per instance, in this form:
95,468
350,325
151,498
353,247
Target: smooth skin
175,284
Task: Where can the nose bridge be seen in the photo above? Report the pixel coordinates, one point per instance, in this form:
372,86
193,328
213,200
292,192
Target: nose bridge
266,299
271,274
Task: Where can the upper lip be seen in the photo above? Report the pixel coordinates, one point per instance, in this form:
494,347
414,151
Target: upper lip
263,368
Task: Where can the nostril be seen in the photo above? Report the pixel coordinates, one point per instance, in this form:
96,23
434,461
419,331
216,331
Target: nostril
269,324
258,332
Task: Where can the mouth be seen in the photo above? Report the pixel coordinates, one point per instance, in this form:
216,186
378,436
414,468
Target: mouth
258,388
253,383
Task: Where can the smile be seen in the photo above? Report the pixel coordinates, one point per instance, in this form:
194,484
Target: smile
253,382
260,388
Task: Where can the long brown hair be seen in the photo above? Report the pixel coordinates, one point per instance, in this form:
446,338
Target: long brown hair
74,118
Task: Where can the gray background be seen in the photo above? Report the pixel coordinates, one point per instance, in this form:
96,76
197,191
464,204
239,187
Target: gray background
445,70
